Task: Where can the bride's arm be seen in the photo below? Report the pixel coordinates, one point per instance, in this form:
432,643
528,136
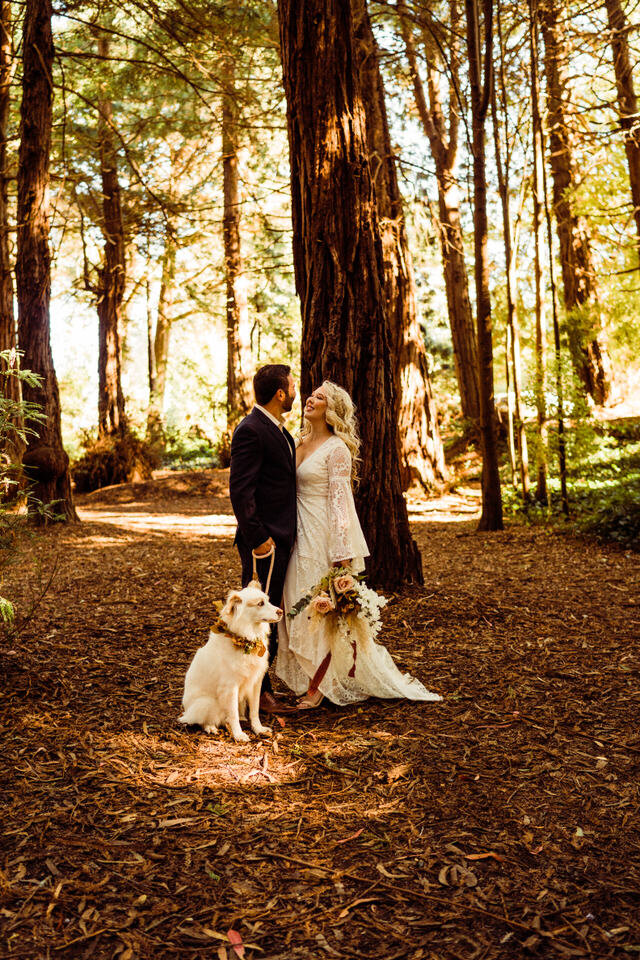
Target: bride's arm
339,467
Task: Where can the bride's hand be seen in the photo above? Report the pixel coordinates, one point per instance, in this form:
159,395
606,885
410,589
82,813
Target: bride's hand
343,563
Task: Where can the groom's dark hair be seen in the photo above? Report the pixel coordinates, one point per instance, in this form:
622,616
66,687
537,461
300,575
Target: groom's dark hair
268,380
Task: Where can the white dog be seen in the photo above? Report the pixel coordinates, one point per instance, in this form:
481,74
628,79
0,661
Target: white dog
226,674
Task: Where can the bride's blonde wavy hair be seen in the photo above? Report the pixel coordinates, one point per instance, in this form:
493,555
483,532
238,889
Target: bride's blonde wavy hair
341,420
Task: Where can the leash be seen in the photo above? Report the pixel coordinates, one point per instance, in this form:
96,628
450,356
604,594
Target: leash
263,556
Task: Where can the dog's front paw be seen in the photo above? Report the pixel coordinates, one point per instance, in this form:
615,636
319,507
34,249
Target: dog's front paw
262,731
211,728
241,737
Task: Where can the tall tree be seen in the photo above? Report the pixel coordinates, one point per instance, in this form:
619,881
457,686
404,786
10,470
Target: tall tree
421,453
512,359
442,133
627,101
239,397
588,351
480,81
539,200
8,339
45,460
159,344
112,272
339,265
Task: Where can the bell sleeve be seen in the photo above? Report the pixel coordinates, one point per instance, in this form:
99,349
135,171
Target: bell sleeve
346,541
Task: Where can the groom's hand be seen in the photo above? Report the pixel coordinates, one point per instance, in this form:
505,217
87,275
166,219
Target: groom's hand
265,547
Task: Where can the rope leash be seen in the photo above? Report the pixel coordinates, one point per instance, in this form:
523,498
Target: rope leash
263,556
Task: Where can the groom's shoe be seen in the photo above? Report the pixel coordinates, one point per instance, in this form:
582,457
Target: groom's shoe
270,704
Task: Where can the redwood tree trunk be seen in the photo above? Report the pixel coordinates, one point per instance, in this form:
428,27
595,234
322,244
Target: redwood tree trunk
159,347
45,460
8,340
443,139
588,351
421,452
112,274
491,518
339,264
627,102
239,394
542,493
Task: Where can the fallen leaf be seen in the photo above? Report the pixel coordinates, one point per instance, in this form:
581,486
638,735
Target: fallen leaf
236,942
352,837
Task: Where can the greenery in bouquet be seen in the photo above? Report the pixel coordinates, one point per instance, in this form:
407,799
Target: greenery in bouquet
343,595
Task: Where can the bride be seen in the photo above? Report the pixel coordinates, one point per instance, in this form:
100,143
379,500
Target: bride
329,534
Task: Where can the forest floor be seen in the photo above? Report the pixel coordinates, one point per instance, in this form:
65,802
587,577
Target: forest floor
502,822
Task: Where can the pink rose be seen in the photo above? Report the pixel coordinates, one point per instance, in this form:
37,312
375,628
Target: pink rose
344,583
322,604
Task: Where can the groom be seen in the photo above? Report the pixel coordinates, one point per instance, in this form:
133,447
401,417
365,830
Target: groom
262,486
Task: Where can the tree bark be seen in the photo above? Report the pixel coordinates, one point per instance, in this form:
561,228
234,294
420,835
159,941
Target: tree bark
503,170
443,140
421,452
239,393
162,337
491,518
339,265
586,338
112,273
45,461
8,338
542,492
627,101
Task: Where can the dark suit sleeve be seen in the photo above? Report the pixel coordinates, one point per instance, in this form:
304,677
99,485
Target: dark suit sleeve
246,461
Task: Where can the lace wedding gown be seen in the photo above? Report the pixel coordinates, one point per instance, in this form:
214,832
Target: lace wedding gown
329,530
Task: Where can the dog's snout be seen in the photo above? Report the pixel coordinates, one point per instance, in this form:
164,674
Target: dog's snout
279,612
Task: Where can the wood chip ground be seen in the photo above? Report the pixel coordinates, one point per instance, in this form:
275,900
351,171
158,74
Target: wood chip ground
502,822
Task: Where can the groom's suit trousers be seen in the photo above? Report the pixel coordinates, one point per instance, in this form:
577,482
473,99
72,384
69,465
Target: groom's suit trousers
275,587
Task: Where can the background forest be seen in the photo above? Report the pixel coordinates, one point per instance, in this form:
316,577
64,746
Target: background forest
171,243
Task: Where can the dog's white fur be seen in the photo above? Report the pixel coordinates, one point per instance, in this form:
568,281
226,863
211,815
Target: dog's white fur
222,680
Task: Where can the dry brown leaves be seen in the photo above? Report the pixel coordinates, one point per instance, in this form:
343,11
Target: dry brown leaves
500,823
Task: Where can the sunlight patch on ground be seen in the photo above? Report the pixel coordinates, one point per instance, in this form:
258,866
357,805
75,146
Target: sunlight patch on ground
206,760
212,525
465,504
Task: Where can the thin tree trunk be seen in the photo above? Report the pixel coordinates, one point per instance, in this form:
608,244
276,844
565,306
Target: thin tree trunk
510,250
151,359
112,274
339,265
239,396
539,200
491,518
627,101
562,450
8,337
162,336
45,461
586,338
444,149
421,452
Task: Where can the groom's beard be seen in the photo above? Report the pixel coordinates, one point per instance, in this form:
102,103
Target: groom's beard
288,404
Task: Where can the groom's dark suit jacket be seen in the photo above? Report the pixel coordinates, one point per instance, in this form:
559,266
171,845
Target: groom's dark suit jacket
262,482
262,485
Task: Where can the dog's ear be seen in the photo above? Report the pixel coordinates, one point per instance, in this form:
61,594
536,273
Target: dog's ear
233,601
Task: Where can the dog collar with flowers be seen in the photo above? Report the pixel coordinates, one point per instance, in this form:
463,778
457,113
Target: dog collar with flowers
256,647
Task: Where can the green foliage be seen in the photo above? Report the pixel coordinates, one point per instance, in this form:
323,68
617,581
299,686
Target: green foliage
603,479
190,448
18,421
110,460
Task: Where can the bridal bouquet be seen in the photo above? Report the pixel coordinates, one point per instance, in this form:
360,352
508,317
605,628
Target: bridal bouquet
349,608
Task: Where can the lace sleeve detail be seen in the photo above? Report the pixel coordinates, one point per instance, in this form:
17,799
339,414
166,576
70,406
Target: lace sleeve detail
340,501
